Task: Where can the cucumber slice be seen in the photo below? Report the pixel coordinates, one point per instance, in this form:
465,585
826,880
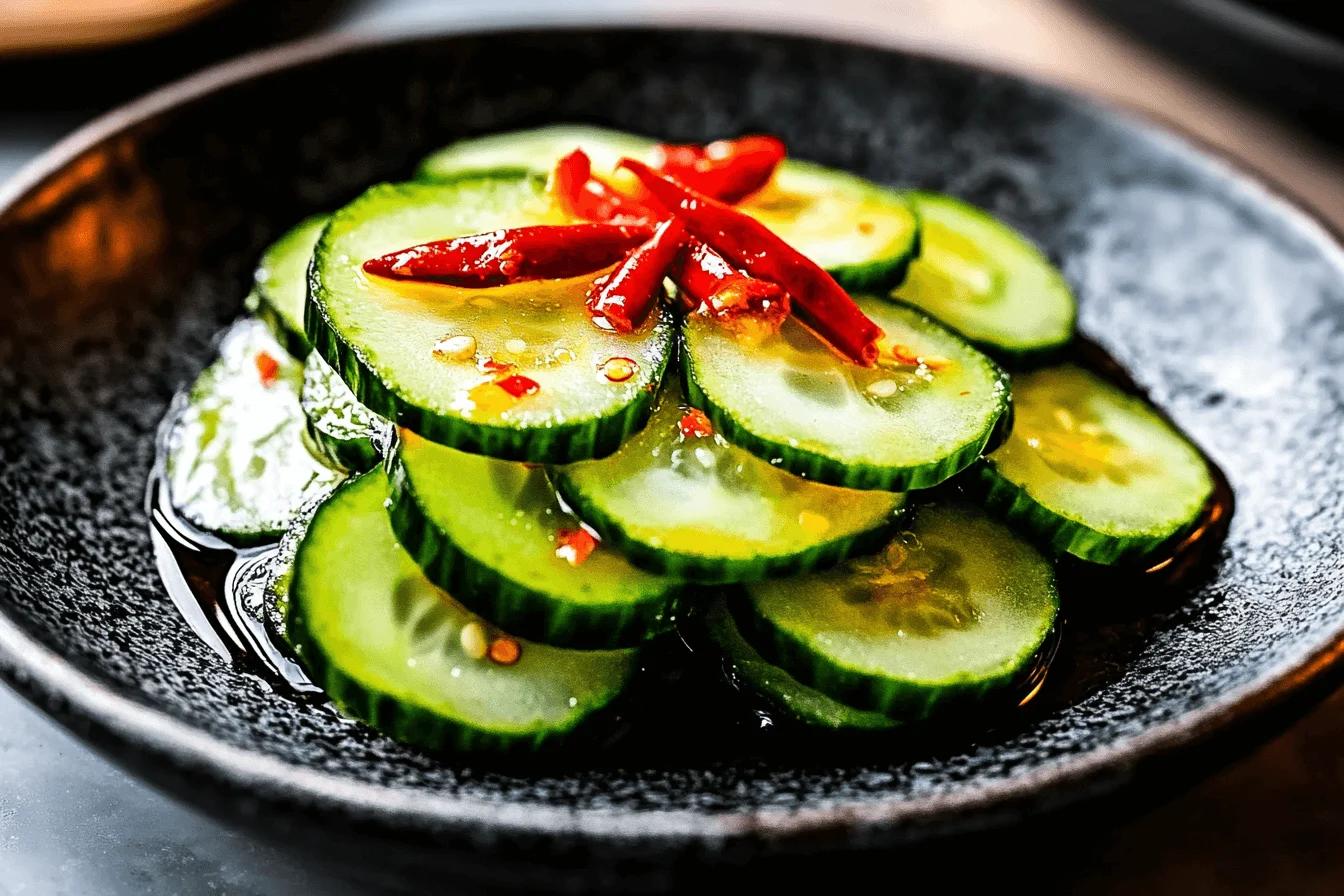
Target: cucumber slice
380,335
1093,471
781,690
237,464
533,151
900,425
986,281
344,432
952,610
282,284
702,509
864,234
387,646
490,532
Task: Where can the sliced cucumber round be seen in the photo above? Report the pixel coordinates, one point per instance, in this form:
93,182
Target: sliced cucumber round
864,234
384,336
282,284
1092,471
493,534
697,507
954,609
387,646
534,151
928,409
343,431
781,690
986,281
237,463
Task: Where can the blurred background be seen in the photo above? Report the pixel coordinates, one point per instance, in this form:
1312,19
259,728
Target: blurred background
1260,79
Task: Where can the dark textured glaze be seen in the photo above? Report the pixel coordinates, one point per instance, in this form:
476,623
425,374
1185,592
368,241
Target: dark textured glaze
122,259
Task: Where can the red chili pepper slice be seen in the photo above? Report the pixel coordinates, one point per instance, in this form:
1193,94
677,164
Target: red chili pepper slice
519,385
707,281
542,252
728,170
624,298
818,300
585,196
698,270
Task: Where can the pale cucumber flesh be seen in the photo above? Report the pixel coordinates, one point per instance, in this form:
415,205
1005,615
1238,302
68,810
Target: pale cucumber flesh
697,506
926,411
282,283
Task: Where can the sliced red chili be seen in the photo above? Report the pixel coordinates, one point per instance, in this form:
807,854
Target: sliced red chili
519,385
818,300
709,282
728,170
583,195
541,252
623,300
695,425
268,369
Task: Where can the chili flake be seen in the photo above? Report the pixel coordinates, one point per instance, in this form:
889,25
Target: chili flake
268,368
574,545
505,651
695,425
519,386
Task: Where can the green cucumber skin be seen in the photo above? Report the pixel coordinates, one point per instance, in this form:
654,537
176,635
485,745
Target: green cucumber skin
898,700
515,608
296,344
352,455
1011,503
718,632
405,723
1014,360
881,275
818,468
706,571
561,444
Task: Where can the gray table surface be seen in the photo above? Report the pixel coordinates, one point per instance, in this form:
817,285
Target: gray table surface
72,823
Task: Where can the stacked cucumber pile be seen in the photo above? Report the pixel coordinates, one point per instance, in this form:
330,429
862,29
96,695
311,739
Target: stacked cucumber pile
527,498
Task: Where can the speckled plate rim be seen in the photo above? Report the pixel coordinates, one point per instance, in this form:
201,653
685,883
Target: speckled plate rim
114,722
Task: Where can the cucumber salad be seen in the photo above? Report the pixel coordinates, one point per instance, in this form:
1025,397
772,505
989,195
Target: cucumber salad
571,392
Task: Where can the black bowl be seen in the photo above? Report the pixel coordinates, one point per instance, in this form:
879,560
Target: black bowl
124,250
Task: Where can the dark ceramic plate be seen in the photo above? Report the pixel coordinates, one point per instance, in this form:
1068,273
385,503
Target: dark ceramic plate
126,249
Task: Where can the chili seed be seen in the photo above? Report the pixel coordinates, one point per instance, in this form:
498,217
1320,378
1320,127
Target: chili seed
455,348
473,640
618,370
